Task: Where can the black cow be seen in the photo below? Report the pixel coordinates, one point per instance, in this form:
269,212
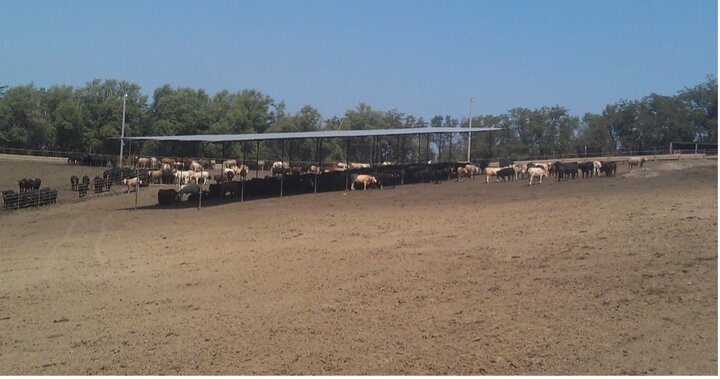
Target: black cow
587,169
608,168
74,181
565,170
98,183
25,184
110,173
10,199
225,189
83,189
507,173
167,176
388,179
432,173
168,196
84,186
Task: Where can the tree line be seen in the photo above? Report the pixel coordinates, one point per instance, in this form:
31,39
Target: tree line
85,119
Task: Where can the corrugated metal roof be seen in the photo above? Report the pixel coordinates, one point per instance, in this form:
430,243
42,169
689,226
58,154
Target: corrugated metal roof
313,134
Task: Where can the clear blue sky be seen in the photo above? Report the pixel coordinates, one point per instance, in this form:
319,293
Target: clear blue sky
419,57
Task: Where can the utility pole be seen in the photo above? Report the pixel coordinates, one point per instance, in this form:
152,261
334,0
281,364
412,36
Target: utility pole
122,132
470,127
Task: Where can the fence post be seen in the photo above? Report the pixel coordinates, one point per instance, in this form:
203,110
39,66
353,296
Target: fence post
137,186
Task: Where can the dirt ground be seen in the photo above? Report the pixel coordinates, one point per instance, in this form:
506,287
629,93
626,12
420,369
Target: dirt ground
594,276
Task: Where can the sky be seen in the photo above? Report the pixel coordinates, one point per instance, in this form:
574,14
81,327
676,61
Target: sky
419,57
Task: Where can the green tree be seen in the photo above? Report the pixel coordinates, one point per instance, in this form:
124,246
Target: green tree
701,103
596,135
102,103
181,111
24,117
67,118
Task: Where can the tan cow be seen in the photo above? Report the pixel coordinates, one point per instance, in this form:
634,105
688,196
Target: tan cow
144,163
155,176
472,170
365,180
491,171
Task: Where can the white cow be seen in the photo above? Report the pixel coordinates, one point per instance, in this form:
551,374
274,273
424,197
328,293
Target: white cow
635,161
131,183
536,172
182,176
200,177
355,166
281,165
155,176
520,170
195,166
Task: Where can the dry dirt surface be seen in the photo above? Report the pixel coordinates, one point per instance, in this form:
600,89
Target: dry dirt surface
592,276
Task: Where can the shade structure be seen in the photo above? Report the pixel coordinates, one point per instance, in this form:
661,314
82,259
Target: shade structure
312,134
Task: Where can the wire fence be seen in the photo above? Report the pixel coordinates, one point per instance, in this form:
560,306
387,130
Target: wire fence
26,199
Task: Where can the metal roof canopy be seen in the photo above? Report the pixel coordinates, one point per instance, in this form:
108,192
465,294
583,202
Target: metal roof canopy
312,134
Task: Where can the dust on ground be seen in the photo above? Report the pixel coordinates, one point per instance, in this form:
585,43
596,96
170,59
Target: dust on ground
592,276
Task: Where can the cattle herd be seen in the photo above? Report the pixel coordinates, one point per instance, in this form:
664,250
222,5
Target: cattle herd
194,177
290,180
91,160
30,195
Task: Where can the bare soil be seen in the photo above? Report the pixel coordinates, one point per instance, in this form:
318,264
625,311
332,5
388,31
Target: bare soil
592,276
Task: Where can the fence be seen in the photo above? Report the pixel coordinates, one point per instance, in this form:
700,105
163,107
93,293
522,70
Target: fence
26,199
